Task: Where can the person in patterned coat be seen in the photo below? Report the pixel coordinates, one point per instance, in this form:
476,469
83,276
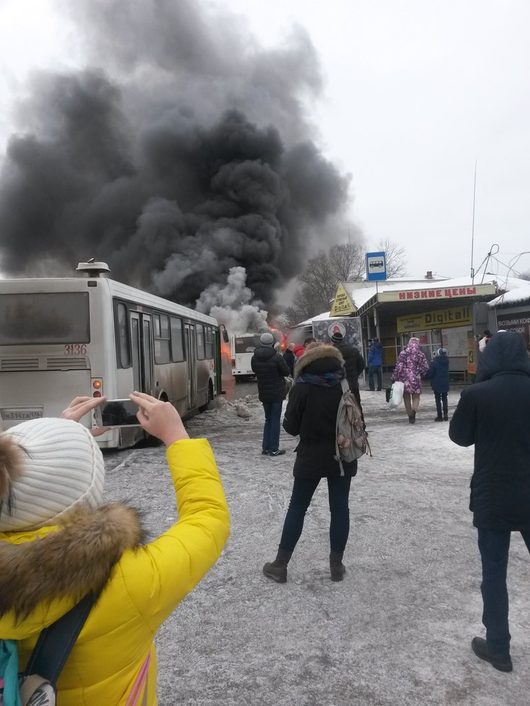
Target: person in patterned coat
411,366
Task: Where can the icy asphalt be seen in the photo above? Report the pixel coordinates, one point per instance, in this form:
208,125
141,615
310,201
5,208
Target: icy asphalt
396,631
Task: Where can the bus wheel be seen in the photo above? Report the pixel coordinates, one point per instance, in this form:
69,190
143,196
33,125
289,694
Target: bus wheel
204,407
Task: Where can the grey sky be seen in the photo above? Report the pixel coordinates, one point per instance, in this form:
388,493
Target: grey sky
414,92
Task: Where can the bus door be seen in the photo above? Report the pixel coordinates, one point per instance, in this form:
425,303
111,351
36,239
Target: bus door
142,352
191,357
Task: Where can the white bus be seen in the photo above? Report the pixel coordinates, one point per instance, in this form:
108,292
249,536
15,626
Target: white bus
90,335
242,348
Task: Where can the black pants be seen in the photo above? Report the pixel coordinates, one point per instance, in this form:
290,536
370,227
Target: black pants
494,546
303,490
441,402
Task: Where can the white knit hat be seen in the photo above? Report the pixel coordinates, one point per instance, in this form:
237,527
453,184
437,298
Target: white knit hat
62,467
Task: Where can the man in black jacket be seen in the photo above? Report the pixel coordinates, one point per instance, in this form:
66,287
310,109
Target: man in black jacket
271,370
353,362
494,414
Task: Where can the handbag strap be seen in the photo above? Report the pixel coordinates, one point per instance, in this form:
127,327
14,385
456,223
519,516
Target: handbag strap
56,641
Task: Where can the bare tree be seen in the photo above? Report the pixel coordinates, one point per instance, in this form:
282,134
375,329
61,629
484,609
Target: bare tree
396,265
341,263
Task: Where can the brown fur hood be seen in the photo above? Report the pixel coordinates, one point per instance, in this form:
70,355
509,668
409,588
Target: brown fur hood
74,560
315,353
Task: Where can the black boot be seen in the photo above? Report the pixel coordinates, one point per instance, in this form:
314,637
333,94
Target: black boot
438,419
336,567
277,569
501,662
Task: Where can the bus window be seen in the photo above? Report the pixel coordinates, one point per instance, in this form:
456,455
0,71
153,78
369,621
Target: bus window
52,317
199,332
208,342
124,355
177,349
161,336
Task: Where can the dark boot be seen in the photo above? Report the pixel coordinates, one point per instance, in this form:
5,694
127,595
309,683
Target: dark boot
277,569
336,567
438,419
501,662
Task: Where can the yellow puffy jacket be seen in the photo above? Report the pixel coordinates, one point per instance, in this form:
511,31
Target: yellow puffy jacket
146,582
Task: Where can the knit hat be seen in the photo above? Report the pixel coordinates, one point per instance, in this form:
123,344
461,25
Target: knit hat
337,337
442,351
47,466
267,339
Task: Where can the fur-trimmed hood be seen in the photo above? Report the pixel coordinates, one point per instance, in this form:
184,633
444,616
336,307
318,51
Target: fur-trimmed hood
316,353
75,559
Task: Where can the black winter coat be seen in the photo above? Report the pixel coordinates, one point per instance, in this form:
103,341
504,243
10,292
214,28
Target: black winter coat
353,362
438,373
271,370
494,414
290,359
312,414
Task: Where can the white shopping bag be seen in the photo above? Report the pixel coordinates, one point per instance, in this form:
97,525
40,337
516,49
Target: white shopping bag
396,394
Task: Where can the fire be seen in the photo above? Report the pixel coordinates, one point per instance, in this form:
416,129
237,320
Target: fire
280,337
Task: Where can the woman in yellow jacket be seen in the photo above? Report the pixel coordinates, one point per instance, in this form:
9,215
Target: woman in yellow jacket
58,543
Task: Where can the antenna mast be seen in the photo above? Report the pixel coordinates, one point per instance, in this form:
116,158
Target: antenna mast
473,222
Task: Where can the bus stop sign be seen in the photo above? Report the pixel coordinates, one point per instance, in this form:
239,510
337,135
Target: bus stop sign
375,266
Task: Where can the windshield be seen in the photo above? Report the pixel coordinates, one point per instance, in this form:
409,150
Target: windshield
54,317
246,344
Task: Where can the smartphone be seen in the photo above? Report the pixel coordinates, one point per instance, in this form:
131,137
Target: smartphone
117,413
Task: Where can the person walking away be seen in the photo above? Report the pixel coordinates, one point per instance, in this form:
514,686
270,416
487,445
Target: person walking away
289,358
411,366
353,363
375,364
438,374
312,413
483,342
58,543
271,370
493,414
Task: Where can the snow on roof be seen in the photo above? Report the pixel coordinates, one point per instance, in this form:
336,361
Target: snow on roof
362,292
319,317
514,296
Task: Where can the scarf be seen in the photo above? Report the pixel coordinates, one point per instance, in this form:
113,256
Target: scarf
324,380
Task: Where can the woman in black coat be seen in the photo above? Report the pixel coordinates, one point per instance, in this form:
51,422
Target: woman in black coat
494,414
311,413
438,374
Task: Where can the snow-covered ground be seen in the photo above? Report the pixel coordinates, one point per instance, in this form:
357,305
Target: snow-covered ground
396,631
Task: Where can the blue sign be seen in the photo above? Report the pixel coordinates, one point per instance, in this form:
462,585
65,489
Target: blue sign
375,266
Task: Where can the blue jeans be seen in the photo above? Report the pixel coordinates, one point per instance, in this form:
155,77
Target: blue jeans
271,430
375,370
303,490
494,546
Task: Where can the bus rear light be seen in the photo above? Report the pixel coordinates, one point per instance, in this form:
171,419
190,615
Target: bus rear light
97,387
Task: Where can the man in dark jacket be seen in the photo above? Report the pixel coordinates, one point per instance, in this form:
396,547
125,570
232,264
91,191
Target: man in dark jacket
271,370
438,374
375,364
494,414
353,362
312,414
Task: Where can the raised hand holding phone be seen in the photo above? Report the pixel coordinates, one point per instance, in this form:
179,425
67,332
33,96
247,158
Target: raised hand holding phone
82,405
160,419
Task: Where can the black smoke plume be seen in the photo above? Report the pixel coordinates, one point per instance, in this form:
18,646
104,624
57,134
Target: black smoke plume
184,153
